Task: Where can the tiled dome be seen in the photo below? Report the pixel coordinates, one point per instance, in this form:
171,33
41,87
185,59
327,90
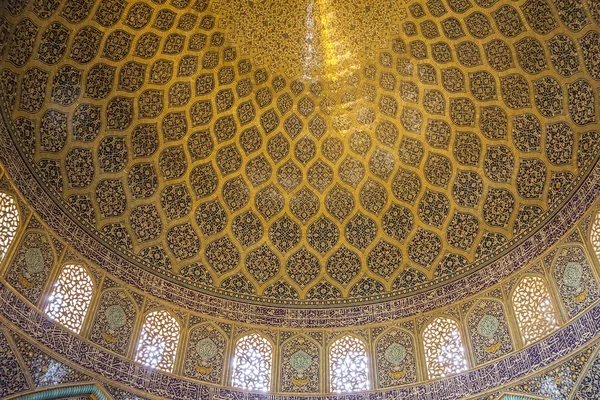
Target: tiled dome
197,195
304,153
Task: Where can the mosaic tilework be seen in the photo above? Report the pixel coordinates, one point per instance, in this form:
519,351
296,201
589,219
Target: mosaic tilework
115,317
489,331
46,370
395,359
542,384
559,382
580,333
154,114
575,280
30,267
12,378
578,203
300,366
588,387
205,356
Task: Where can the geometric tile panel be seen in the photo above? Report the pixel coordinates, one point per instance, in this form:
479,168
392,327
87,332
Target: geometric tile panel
183,123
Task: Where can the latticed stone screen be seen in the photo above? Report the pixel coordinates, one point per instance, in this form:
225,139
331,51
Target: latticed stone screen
252,363
348,365
70,298
444,350
533,309
158,341
9,222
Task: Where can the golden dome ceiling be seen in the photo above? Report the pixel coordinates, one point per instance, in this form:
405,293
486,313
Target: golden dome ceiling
302,152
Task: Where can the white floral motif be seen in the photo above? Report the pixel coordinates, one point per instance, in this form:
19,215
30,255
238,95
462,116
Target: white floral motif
206,349
488,326
395,353
115,316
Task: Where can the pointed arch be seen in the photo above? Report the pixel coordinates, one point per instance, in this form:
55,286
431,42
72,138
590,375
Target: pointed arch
205,354
444,350
71,296
533,307
488,329
252,363
114,320
348,365
300,365
9,222
158,340
395,358
31,264
574,278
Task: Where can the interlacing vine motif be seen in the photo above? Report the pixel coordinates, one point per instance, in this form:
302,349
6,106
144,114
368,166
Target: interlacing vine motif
157,346
71,296
252,363
534,310
9,222
348,365
444,350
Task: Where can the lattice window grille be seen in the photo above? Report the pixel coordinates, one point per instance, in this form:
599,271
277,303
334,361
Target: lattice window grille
348,365
252,363
70,297
534,309
9,222
444,350
158,342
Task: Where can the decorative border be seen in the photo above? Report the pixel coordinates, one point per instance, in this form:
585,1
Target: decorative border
65,392
97,252
113,368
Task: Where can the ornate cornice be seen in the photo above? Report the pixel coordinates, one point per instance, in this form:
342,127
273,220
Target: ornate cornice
114,369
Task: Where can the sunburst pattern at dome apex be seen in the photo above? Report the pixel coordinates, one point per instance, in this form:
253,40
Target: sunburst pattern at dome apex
324,151
314,39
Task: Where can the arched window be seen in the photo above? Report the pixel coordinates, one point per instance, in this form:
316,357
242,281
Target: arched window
159,337
595,235
444,351
71,296
252,363
9,222
348,365
533,309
